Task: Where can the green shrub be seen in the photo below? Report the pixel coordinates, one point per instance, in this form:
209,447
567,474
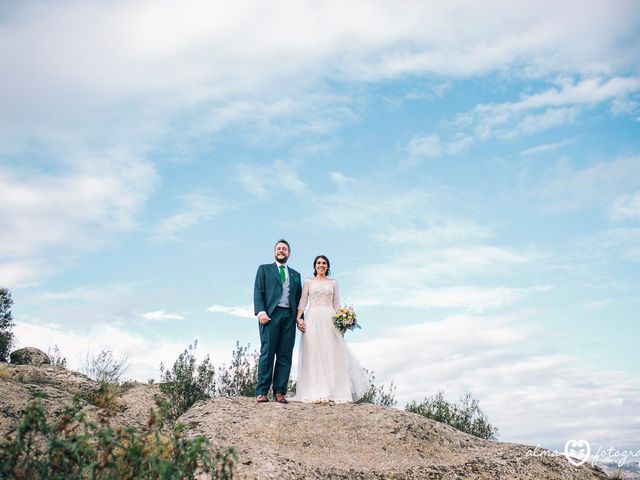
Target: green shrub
187,382
104,367
379,394
6,324
466,416
240,378
106,396
72,448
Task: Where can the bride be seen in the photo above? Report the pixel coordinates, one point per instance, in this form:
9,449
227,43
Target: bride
327,370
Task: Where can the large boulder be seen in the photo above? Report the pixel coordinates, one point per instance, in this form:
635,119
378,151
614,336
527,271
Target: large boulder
363,442
301,440
29,356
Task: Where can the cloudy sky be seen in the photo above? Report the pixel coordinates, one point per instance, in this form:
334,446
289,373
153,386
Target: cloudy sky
471,169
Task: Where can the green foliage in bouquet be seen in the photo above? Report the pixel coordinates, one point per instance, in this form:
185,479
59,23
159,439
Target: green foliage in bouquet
346,319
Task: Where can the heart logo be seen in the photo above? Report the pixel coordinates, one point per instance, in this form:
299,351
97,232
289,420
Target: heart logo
577,451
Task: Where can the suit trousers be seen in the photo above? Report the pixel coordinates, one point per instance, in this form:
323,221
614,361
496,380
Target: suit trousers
277,339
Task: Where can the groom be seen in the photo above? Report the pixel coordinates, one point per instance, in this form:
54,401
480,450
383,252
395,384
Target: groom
276,295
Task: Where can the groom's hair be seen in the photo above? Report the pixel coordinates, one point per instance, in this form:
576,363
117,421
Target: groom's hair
282,240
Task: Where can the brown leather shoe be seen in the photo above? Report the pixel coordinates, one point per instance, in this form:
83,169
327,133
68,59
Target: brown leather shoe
280,398
262,399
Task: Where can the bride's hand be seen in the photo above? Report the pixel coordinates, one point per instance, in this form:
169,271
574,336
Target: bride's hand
300,324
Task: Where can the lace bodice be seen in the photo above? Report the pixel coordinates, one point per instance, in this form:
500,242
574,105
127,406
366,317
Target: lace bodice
320,293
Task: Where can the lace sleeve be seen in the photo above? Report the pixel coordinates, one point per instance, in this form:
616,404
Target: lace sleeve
336,296
304,299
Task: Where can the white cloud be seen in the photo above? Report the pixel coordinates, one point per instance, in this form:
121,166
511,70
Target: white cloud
529,392
554,107
442,232
547,147
370,204
626,207
193,60
443,277
428,146
243,311
612,242
338,177
196,207
265,181
431,146
24,272
601,185
144,352
86,293
161,315
67,209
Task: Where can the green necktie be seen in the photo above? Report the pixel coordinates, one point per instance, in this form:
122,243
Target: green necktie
283,277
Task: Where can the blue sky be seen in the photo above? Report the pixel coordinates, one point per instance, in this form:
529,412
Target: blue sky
471,170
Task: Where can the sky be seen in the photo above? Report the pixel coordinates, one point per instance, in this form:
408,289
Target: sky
472,171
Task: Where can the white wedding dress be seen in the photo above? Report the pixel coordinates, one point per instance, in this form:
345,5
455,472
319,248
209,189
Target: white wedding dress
327,370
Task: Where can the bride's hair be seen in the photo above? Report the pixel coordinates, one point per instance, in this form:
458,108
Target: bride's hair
328,265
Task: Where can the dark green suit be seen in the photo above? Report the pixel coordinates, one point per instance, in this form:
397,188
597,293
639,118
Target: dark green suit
278,336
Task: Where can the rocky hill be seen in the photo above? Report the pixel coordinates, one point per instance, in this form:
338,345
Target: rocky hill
304,441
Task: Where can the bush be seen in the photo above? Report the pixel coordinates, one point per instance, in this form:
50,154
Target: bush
72,448
104,367
466,417
187,382
379,395
6,324
56,356
240,378
106,396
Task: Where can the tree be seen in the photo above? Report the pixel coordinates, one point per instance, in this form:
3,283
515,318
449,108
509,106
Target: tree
466,416
6,324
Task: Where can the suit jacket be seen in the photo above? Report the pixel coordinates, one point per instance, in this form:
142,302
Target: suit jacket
267,290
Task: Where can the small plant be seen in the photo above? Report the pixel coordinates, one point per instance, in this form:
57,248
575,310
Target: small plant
466,416
104,367
618,475
187,382
379,395
240,378
72,448
106,396
56,357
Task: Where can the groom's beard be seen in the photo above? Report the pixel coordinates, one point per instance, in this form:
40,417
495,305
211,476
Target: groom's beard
282,260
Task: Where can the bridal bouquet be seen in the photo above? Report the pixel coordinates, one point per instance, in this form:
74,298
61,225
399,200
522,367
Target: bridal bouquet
345,319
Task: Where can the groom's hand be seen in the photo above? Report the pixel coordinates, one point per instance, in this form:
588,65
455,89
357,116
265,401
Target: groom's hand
263,319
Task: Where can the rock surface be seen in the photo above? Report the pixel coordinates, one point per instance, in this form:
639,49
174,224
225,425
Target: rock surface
57,387
303,441
29,356
320,441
